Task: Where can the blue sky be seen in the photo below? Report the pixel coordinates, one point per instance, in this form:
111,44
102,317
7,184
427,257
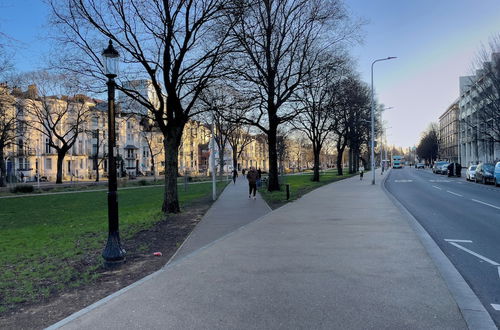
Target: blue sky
434,40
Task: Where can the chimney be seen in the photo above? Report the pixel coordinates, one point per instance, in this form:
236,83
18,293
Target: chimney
32,92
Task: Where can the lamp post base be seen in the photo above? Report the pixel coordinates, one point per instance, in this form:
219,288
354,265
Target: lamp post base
113,253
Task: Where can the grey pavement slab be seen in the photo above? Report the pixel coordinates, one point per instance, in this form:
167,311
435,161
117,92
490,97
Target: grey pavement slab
341,257
232,210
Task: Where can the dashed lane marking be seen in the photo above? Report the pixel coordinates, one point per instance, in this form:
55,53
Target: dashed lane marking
496,307
439,181
491,262
453,193
475,200
458,240
403,180
437,187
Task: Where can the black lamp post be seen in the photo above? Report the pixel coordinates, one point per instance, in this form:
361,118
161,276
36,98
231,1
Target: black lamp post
113,253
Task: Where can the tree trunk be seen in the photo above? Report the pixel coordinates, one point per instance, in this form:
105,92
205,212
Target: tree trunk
153,168
235,157
96,167
351,169
340,154
273,183
221,160
60,164
3,169
171,144
316,152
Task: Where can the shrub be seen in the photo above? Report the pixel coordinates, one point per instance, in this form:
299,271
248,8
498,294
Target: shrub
22,188
142,182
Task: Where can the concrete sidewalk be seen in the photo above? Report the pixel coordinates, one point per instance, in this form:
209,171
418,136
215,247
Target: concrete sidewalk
232,210
341,257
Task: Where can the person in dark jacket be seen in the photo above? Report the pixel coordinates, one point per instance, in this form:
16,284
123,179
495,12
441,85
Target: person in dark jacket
235,175
252,176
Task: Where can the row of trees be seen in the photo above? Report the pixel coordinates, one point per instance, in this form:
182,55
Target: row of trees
274,65
266,50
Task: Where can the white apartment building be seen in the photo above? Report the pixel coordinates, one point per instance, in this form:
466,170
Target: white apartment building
475,145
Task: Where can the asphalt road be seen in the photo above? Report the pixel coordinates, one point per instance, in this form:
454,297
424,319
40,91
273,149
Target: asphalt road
463,218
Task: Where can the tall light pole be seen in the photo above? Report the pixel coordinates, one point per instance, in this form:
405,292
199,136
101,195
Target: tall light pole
113,253
372,160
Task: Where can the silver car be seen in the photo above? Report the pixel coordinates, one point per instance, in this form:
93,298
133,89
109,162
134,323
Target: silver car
470,174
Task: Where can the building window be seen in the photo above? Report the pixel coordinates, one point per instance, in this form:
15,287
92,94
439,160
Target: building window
48,163
47,146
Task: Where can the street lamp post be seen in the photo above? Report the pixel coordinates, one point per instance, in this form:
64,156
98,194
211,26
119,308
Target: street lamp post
372,160
113,253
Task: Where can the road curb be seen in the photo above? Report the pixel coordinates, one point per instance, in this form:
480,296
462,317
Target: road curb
474,313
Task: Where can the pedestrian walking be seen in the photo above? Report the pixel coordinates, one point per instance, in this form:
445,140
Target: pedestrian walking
235,175
259,178
252,182
243,171
361,171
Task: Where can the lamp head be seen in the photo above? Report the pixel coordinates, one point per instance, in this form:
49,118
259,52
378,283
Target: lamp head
111,58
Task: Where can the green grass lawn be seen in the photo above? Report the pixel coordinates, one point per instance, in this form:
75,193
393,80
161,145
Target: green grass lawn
300,185
45,240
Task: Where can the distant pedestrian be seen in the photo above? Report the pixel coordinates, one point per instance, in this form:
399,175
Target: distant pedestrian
259,178
243,171
361,172
252,182
235,175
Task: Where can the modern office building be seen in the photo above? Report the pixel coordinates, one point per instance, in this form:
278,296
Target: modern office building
479,115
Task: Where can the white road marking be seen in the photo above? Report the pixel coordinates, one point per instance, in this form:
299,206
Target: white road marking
451,192
403,180
475,254
458,240
437,187
498,271
439,180
496,307
475,200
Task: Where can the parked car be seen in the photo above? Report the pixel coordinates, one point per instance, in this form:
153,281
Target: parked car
444,169
438,166
484,173
497,175
420,165
470,174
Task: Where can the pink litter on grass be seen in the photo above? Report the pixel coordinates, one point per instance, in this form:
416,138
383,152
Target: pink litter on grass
158,254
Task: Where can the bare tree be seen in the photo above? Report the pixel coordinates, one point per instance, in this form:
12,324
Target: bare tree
224,106
9,121
239,139
350,102
175,44
429,144
57,116
274,38
149,134
315,96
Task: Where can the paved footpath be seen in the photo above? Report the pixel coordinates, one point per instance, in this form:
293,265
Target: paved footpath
342,257
232,210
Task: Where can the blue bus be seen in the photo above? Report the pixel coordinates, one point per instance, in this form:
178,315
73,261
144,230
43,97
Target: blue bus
397,161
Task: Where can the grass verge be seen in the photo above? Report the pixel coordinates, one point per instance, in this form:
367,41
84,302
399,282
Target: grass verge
53,242
299,185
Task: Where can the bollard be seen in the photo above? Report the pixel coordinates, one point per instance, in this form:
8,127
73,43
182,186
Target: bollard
287,191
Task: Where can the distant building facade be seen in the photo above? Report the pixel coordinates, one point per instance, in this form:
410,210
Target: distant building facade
448,133
139,144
